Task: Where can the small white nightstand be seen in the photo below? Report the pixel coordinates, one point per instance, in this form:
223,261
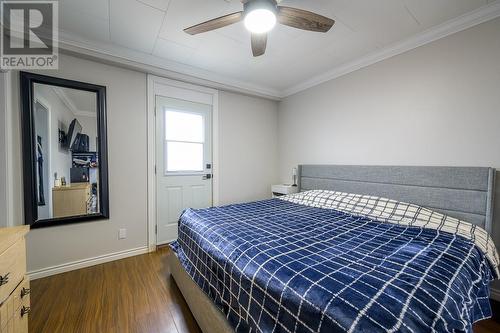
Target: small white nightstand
283,189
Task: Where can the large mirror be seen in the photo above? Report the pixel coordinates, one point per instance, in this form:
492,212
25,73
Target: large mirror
64,150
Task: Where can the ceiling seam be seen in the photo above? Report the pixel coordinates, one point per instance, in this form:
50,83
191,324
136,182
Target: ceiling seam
412,14
159,30
153,7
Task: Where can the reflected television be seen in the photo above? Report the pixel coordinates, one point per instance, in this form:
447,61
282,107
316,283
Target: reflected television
74,129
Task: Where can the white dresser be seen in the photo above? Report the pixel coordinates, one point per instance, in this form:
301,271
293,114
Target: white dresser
14,285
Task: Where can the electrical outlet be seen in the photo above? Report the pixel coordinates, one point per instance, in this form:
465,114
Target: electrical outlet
122,234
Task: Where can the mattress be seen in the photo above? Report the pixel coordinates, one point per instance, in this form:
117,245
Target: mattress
330,262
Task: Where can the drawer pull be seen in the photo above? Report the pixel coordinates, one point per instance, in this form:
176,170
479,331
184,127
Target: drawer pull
25,291
25,310
4,279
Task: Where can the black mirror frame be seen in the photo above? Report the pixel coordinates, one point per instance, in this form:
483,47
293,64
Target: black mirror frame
27,81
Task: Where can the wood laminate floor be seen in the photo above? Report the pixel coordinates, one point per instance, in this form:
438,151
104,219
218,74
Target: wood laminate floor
133,295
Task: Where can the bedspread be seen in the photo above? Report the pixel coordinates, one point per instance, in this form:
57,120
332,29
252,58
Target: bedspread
294,265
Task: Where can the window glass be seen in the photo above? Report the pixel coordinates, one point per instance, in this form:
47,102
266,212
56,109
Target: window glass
184,156
183,126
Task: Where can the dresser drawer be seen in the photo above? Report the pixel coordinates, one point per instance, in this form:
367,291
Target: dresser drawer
22,295
12,268
20,321
9,328
7,313
14,311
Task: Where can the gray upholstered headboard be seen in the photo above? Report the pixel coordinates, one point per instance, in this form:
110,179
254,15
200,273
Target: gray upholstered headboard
462,192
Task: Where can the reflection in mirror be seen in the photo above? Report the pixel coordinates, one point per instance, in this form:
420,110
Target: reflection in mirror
67,164
64,151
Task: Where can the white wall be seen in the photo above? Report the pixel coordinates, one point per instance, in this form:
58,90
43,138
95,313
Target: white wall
436,105
248,136
13,147
3,151
251,123
89,127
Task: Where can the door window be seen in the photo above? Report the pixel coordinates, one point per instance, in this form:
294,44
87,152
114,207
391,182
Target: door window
184,142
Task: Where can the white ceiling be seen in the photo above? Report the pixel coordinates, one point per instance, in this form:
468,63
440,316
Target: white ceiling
80,102
153,28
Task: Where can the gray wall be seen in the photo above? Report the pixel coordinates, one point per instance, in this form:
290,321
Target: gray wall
248,136
127,140
126,101
438,104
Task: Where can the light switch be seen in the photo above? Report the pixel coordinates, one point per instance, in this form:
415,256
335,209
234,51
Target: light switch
122,234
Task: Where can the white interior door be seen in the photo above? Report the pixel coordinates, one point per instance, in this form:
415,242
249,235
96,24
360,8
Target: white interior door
183,161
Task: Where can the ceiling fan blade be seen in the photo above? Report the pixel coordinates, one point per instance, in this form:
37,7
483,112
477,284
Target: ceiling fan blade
217,23
259,44
302,19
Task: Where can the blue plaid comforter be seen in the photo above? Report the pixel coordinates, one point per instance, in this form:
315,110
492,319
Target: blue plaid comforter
279,266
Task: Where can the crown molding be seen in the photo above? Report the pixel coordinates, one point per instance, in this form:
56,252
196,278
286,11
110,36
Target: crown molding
473,18
140,61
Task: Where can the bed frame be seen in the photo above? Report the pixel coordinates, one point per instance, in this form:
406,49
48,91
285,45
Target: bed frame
466,193
462,192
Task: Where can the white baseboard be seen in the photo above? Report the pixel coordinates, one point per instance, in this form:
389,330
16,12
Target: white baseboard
495,294
70,266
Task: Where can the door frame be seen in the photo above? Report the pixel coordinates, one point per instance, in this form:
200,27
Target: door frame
188,92
42,101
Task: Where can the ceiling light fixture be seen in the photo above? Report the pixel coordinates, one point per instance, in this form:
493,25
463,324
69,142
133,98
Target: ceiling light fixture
259,21
260,16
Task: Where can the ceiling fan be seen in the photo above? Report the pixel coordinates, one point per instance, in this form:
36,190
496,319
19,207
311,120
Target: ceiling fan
260,17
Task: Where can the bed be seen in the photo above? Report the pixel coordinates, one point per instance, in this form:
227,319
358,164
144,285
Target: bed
339,257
